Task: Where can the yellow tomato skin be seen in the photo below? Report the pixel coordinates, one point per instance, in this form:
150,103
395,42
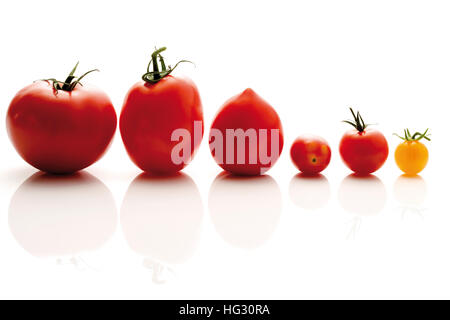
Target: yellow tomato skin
411,157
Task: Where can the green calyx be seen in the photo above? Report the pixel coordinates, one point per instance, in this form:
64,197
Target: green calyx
415,137
357,122
71,81
156,74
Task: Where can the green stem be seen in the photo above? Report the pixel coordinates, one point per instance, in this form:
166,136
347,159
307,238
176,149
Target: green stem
417,136
357,122
157,74
71,80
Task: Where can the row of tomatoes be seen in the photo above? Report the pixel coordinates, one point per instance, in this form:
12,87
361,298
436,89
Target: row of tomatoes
363,150
64,126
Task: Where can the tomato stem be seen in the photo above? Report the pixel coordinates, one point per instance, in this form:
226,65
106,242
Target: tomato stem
69,84
357,122
417,136
156,75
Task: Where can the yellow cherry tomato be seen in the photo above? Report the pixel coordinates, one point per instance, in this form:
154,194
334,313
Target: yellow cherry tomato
411,155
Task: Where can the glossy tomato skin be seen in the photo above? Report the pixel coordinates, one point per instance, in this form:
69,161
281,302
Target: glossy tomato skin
364,152
151,113
310,154
411,157
61,132
247,110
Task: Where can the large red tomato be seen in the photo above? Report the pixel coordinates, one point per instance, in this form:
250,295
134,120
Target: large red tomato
363,150
153,109
61,127
246,136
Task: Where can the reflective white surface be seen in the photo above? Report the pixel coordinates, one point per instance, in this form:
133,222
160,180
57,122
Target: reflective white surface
410,193
110,232
245,211
362,196
222,237
161,219
310,192
58,216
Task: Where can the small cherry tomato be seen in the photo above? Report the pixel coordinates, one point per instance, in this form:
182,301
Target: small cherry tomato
61,127
363,150
411,155
310,154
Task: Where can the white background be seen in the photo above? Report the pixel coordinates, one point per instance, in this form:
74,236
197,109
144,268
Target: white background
275,237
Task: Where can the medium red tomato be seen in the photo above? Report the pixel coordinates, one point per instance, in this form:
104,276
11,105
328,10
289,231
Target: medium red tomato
61,127
154,110
363,150
246,135
310,154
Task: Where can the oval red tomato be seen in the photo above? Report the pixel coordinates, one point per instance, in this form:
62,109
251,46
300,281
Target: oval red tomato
310,154
61,127
152,111
246,135
363,150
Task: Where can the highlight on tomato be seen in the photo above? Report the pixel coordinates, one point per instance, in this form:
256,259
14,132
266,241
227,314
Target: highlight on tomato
246,135
363,150
310,154
61,126
411,155
161,122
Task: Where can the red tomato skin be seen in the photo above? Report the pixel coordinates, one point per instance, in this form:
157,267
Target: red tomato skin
150,114
310,154
364,152
247,110
61,133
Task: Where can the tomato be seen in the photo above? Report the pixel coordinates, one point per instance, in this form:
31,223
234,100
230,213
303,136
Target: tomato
152,112
310,154
61,127
363,150
411,155
246,135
